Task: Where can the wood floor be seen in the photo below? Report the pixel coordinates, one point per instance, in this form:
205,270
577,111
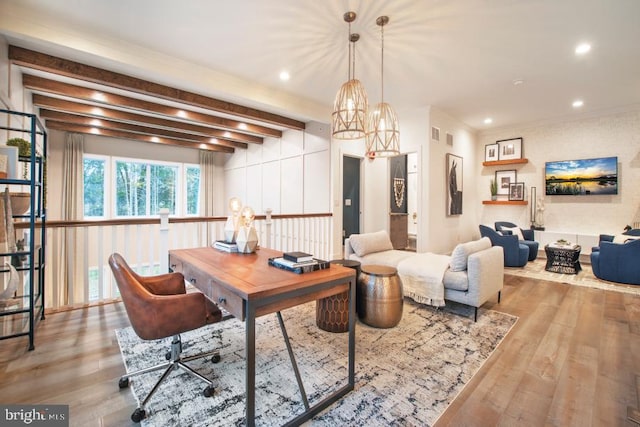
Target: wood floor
571,360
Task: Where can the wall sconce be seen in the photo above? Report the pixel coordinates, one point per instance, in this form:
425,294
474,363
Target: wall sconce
247,237
231,226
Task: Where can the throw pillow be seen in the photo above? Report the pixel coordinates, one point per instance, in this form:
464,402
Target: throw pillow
461,253
624,238
367,243
514,230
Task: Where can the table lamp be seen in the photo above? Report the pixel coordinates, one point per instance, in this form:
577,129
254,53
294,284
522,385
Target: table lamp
247,237
231,226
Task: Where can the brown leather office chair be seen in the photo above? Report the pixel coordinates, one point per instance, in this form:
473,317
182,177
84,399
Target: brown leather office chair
159,307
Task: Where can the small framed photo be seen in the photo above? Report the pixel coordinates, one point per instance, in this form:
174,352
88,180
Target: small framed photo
491,152
504,178
516,191
510,149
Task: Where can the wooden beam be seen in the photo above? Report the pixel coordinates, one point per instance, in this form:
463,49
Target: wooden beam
78,108
52,64
231,127
68,127
117,125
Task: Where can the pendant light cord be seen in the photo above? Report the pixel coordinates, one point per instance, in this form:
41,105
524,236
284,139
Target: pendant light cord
382,63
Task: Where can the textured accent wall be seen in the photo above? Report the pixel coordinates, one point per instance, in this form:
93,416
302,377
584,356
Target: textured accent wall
608,135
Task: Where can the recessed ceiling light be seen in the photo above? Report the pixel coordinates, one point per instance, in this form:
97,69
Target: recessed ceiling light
213,140
181,113
96,122
284,75
578,103
242,126
583,48
518,82
155,139
95,131
488,121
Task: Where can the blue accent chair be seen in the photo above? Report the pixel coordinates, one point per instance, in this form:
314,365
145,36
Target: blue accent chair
527,234
617,262
516,254
610,237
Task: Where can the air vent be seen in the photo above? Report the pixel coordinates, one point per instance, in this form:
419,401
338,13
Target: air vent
449,139
435,133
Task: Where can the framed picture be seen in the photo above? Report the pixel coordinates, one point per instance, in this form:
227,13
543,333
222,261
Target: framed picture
510,149
491,152
516,191
454,185
504,178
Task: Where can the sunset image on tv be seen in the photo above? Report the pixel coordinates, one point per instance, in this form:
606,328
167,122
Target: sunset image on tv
582,177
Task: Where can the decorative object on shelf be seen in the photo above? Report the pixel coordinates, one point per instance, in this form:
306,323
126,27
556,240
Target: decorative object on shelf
351,103
20,203
503,179
13,165
231,226
24,150
9,292
510,149
454,183
247,237
533,207
4,160
398,202
491,152
539,222
8,234
516,191
493,188
383,130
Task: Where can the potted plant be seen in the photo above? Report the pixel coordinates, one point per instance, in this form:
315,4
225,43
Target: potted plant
24,149
493,187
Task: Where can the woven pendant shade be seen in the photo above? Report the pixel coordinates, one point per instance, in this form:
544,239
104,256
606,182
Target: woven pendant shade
350,111
383,138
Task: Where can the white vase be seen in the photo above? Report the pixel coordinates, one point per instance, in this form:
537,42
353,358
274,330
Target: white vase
13,165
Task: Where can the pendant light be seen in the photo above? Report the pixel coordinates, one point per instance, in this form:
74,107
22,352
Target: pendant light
383,132
348,120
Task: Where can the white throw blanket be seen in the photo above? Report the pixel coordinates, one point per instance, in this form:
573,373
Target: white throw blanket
422,277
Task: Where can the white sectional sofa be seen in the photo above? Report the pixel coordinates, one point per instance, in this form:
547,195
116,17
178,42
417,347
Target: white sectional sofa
472,273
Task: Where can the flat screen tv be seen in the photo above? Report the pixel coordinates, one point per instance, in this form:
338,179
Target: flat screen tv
581,177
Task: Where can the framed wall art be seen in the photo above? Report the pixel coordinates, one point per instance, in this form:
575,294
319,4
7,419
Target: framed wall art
510,149
454,184
504,178
516,191
491,152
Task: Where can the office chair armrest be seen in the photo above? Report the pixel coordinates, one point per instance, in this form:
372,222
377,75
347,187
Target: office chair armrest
164,284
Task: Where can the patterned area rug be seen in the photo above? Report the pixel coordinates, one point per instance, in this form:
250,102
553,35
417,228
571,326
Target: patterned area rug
535,270
405,375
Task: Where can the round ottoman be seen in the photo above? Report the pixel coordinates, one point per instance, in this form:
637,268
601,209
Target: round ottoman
379,297
332,313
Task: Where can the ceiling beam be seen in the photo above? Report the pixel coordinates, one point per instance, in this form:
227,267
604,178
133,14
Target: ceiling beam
91,130
78,108
116,125
52,64
42,84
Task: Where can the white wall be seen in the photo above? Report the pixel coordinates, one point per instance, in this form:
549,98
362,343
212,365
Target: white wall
615,134
290,175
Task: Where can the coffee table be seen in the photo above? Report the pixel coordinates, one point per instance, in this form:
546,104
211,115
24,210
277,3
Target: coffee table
563,258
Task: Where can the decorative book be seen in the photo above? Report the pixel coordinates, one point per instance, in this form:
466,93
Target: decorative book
299,268
297,256
224,246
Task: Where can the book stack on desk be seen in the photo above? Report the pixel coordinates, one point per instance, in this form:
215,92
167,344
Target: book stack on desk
224,246
298,262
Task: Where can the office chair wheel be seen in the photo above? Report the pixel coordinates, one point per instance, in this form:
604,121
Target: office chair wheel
215,358
123,383
208,392
138,415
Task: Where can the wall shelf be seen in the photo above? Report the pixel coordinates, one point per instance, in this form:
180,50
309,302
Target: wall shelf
505,162
505,202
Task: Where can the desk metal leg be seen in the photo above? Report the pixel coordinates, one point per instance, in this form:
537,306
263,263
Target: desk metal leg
250,346
293,362
352,334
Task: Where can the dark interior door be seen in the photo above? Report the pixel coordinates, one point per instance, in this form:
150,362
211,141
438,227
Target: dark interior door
351,196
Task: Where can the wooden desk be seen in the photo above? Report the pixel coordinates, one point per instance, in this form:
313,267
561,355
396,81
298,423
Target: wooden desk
247,287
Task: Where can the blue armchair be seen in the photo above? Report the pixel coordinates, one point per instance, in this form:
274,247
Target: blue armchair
527,234
617,262
516,253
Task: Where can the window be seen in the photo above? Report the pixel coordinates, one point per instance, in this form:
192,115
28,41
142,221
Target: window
139,187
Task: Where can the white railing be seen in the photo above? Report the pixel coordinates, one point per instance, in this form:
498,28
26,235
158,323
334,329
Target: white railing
77,271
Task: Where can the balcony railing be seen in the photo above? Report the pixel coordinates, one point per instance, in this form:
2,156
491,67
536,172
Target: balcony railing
77,252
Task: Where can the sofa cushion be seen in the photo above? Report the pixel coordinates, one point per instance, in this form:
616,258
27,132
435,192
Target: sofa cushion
624,238
462,251
366,243
457,280
391,258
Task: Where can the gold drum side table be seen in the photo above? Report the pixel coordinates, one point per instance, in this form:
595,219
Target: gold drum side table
379,296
